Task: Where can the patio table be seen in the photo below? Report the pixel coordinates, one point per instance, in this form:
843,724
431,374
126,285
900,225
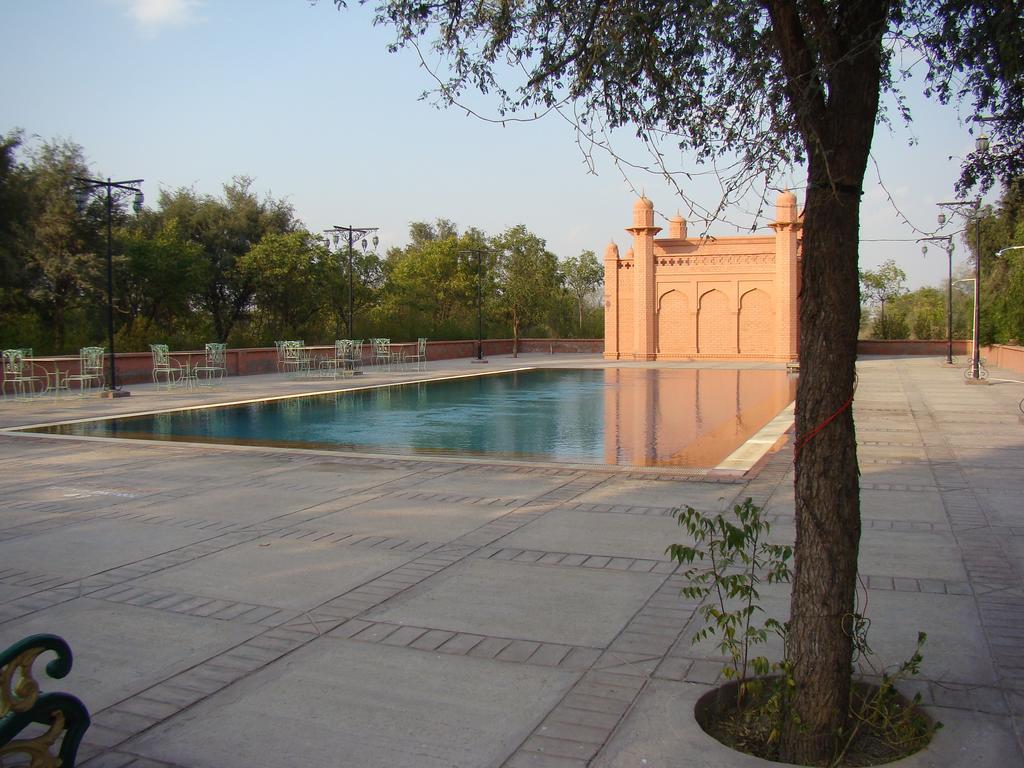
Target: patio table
57,382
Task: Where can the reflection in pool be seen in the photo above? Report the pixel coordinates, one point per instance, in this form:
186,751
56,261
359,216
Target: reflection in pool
624,416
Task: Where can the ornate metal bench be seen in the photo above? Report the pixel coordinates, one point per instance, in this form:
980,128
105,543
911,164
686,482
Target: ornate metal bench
22,704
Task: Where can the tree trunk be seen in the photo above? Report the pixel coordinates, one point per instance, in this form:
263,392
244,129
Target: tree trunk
515,337
827,492
833,76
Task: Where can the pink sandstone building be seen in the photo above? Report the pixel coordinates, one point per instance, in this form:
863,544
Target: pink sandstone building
682,298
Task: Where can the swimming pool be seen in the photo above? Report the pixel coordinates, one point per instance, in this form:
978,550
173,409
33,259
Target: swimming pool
614,416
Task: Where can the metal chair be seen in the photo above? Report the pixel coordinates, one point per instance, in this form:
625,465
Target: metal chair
19,373
90,369
340,363
167,371
417,360
294,358
357,356
381,353
280,355
215,365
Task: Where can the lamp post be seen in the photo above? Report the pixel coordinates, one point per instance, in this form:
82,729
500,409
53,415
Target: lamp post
354,233
982,145
87,188
948,248
479,303
974,329
976,205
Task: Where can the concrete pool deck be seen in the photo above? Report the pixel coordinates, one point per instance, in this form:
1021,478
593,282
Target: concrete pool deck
233,606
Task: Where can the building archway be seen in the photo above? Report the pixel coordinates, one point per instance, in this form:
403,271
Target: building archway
715,334
756,323
675,326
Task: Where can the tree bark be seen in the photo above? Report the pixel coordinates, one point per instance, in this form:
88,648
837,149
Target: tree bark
832,58
827,492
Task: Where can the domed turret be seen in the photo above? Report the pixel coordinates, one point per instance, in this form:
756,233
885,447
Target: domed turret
611,253
677,227
785,206
643,212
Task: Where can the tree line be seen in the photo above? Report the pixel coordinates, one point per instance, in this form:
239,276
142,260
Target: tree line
893,312
243,269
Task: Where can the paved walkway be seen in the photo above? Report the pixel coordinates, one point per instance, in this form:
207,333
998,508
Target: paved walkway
239,607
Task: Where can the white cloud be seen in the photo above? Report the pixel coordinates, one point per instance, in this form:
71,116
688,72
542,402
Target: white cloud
151,15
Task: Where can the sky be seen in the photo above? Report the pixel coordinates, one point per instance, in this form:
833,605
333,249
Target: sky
308,102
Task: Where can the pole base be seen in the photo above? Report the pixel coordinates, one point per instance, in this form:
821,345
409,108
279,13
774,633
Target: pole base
112,394
972,380
480,361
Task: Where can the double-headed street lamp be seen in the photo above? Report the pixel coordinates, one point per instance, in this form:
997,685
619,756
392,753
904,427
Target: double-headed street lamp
113,189
959,205
354,233
982,145
947,241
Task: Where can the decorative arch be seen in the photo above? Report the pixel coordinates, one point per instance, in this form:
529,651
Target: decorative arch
756,323
715,334
675,337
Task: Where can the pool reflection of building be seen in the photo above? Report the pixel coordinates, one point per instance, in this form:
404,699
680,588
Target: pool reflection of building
687,418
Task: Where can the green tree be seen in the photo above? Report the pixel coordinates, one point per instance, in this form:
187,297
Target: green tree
774,82
526,280
288,275
582,275
159,279
19,318
1002,226
13,211
882,286
924,312
62,251
367,286
431,283
225,228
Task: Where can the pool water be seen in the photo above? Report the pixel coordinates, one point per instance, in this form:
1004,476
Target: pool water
618,416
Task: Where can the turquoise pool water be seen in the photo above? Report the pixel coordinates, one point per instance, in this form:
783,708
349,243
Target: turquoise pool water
689,418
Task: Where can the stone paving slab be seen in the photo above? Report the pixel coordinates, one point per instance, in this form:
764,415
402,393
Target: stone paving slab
494,481
573,606
612,535
923,506
916,554
349,704
122,649
432,516
663,493
282,573
92,546
240,502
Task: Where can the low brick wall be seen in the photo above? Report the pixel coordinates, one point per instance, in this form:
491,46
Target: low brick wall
901,347
1004,356
137,367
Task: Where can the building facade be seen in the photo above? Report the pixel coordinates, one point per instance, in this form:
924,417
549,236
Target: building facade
682,298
